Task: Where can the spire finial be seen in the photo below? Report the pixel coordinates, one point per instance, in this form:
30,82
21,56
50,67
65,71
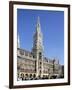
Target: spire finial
38,22
38,27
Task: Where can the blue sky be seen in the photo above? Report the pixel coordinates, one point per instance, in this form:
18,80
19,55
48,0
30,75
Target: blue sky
52,27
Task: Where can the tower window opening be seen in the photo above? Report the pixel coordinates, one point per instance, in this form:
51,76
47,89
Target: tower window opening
40,55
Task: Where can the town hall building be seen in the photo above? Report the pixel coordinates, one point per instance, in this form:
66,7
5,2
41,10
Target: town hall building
33,64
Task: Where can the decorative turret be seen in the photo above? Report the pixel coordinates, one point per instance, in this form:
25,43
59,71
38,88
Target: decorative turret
18,42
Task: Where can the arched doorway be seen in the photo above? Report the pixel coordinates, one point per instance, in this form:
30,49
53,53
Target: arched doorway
26,76
34,76
22,76
31,77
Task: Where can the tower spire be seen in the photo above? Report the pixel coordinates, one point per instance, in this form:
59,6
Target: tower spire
38,37
38,27
18,42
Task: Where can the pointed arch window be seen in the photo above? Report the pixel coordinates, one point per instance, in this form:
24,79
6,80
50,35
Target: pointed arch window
40,55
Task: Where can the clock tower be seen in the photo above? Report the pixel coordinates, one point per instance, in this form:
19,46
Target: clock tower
38,49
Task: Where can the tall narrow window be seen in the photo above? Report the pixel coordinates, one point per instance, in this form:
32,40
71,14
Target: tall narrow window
40,55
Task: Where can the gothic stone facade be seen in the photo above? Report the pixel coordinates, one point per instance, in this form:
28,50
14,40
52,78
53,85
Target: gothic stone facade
34,64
